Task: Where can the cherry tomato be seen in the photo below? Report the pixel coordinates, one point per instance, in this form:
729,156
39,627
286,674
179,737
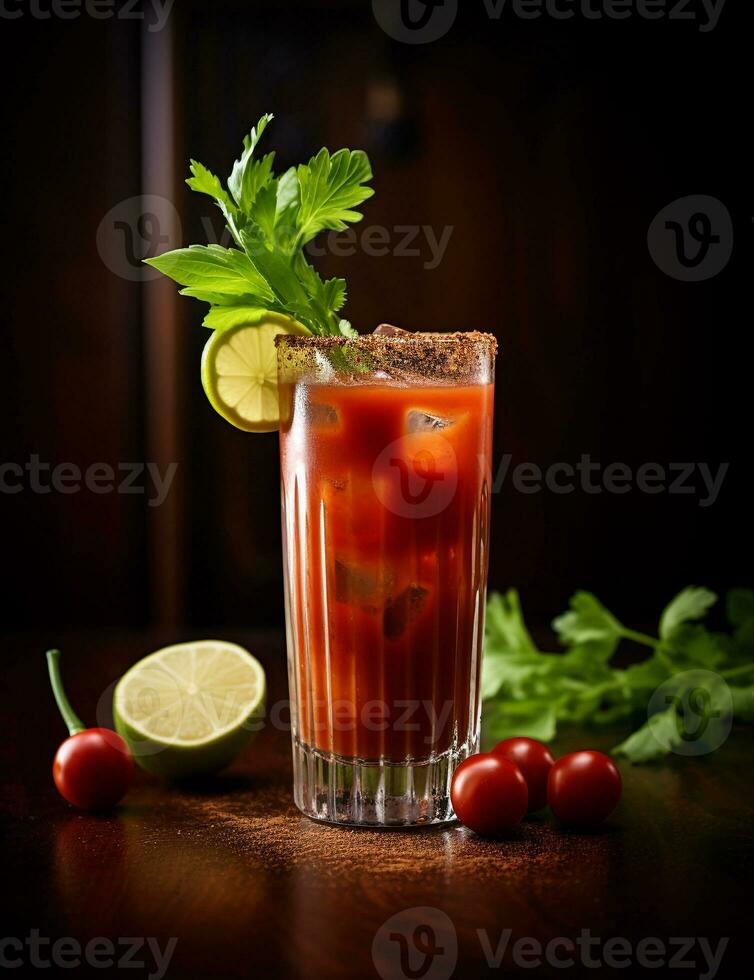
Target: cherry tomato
93,769
584,788
534,760
489,794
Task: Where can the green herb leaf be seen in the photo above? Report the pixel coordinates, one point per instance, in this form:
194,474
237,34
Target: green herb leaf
248,175
331,187
696,646
511,660
743,703
739,606
330,295
225,317
703,674
278,272
530,719
588,621
217,299
204,181
644,677
272,218
214,269
274,212
691,603
651,741
504,624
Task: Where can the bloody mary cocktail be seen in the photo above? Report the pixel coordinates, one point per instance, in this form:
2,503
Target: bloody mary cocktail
385,445
385,457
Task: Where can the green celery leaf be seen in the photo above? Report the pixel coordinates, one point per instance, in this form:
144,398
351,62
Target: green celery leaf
277,270
739,606
347,330
511,661
587,660
225,317
287,204
588,621
505,629
697,646
531,719
330,295
742,650
213,268
644,677
743,703
511,675
274,212
204,181
271,219
265,211
258,174
650,742
698,703
331,187
691,603
514,675
220,299
248,175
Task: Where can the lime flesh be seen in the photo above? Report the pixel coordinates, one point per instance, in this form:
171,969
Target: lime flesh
189,709
239,371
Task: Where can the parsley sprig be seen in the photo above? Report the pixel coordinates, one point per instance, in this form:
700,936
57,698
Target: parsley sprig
530,692
271,219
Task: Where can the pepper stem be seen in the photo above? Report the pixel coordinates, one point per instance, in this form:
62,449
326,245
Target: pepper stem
70,717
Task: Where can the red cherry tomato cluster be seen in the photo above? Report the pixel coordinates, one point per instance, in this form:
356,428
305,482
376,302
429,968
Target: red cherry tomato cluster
492,791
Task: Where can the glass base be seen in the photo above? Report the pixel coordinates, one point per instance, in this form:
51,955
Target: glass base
357,793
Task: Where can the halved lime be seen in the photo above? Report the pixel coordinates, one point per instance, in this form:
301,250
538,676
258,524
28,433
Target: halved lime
239,371
190,708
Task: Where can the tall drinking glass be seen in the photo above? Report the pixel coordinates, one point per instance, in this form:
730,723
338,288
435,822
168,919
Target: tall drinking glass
385,449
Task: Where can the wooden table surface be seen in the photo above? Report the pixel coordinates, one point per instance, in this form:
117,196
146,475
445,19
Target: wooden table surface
250,888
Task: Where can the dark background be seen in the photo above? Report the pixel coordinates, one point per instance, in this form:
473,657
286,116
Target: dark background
548,147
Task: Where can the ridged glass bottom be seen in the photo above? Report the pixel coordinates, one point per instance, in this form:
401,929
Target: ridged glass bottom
375,794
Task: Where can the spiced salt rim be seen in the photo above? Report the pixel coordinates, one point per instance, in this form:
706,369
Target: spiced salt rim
428,355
